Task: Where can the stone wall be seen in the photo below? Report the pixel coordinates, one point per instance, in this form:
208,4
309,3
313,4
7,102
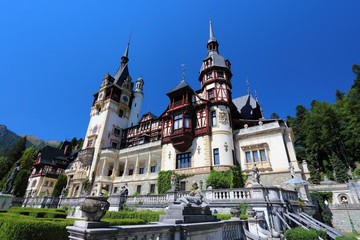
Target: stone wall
341,214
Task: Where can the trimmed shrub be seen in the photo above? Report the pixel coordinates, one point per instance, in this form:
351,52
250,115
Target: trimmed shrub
346,238
146,216
303,234
27,228
223,216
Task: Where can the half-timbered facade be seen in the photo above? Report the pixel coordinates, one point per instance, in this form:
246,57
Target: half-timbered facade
199,130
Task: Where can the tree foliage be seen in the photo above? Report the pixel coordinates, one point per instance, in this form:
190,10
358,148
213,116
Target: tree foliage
59,185
326,135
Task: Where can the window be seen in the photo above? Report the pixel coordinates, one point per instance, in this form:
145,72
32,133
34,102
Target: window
46,183
115,189
183,160
153,169
117,131
216,156
178,121
121,172
186,121
256,155
33,183
141,170
152,188
248,157
114,144
131,172
262,155
211,94
220,74
208,76
213,118
182,186
138,188
90,143
121,113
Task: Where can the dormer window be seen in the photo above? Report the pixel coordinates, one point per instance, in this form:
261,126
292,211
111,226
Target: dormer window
220,74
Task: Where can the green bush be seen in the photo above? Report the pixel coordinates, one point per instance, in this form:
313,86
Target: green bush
303,234
223,216
146,216
346,238
27,228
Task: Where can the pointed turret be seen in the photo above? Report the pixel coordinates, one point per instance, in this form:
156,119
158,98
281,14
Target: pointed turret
212,45
123,72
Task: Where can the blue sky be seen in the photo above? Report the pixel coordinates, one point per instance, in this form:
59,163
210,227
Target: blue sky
54,54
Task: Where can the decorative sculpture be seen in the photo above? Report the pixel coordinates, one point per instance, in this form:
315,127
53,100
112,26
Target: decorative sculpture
195,198
255,174
10,181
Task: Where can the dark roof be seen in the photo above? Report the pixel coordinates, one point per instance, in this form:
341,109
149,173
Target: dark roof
182,84
248,107
217,60
48,153
121,74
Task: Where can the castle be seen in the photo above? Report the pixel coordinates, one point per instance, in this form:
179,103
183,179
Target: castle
199,130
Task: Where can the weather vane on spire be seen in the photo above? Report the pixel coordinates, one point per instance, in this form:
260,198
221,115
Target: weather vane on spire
248,85
183,72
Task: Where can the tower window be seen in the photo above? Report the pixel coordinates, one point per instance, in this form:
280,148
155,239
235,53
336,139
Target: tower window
186,121
213,118
141,170
121,113
153,169
209,76
178,121
90,143
211,94
114,144
116,131
131,172
183,160
216,156
220,74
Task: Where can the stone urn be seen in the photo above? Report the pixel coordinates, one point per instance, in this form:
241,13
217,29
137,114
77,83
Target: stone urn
235,212
251,213
94,208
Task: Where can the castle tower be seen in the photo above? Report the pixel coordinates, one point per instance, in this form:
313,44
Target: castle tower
136,103
215,78
110,113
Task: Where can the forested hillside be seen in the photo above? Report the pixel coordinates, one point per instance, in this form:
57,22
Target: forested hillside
328,135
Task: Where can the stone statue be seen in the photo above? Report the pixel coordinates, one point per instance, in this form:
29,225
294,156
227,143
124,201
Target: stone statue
173,182
255,174
123,195
10,181
292,170
195,198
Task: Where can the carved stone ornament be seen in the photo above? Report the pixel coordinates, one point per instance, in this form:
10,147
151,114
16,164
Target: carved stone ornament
94,208
223,118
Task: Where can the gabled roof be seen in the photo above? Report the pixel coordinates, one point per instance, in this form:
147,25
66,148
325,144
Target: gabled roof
248,107
181,85
48,154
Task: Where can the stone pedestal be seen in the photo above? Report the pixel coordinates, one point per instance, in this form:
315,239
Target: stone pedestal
91,230
5,201
177,214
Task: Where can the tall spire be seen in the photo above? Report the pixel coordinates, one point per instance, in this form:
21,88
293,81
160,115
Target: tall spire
212,45
125,57
212,38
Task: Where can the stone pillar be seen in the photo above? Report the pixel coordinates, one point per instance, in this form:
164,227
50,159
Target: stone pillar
149,164
125,168
136,170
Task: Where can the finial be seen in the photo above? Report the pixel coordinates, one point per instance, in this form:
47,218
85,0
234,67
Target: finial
183,72
248,85
126,53
212,38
